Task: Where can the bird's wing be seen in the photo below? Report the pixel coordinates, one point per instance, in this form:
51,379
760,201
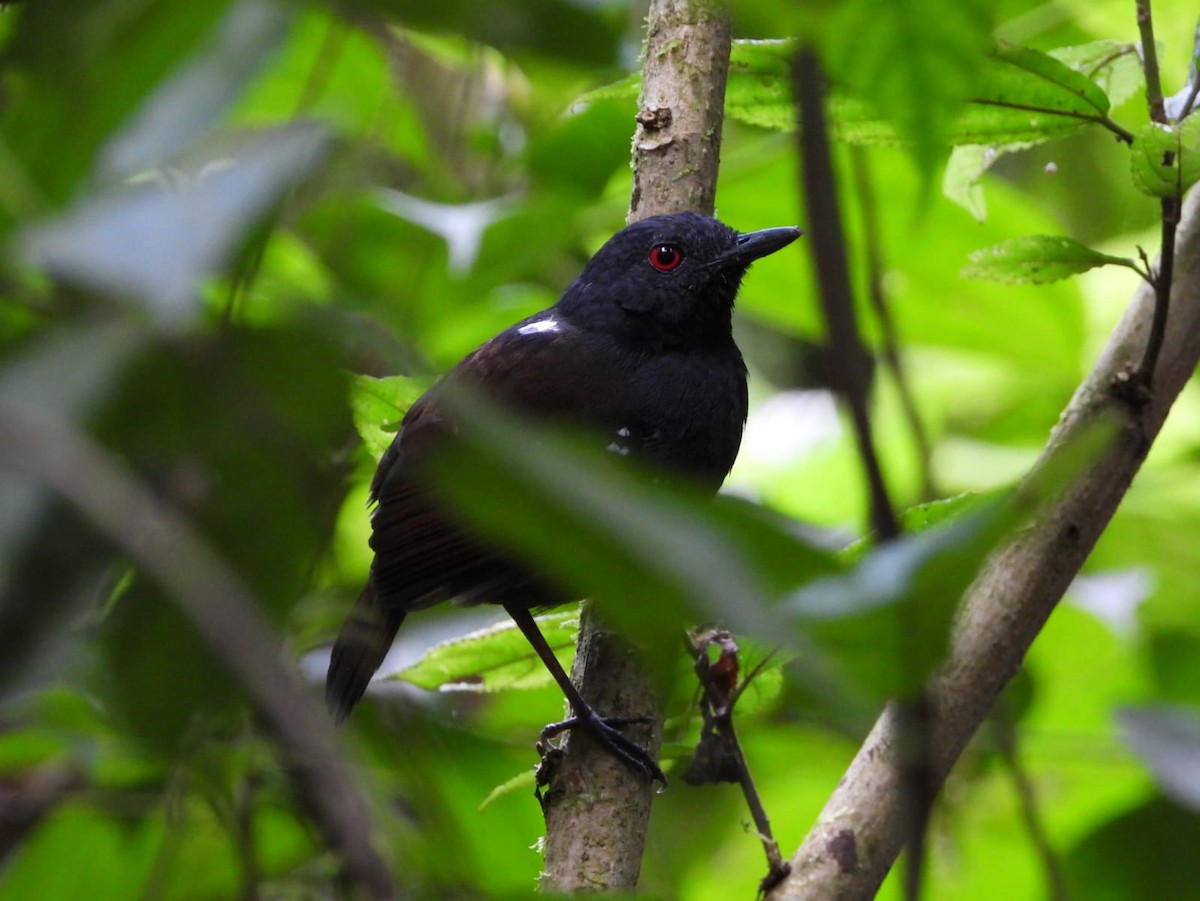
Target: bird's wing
542,367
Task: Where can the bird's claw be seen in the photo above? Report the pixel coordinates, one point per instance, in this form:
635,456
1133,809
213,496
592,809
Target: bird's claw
605,731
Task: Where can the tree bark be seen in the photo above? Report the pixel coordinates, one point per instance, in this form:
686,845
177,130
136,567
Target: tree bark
597,810
859,833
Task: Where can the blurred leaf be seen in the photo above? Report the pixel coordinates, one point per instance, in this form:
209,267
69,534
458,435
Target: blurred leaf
1021,96
581,153
647,553
1147,851
914,62
1167,739
72,371
494,659
577,32
379,405
191,101
157,244
915,580
524,781
960,181
75,74
119,855
1038,259
239,431
1166,158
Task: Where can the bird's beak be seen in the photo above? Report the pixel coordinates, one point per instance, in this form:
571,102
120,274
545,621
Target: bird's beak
753,245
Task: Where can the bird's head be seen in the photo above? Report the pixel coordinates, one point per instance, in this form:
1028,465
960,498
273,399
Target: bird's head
668,279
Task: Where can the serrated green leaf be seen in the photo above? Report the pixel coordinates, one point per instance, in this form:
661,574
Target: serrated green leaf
1165,160
379,405
494,659
1038,259
1114,66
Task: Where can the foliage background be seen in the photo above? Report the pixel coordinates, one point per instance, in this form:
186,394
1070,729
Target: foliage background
412,180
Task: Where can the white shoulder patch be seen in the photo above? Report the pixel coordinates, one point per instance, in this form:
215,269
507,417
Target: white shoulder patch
541,325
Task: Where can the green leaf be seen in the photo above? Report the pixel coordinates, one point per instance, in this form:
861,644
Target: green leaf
916,62
1123,856
1166,158
379,405
1038,259
1026,95
960,181
759,89
494,659
522,782
1021,97
1114,66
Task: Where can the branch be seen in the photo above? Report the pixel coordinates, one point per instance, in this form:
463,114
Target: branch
597,810
859,834
51,451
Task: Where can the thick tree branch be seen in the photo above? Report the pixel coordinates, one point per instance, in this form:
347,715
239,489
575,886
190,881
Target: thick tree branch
596,809
858,834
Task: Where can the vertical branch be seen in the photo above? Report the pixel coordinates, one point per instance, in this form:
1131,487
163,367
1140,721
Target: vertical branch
1143,381
846,352
891,343
596,809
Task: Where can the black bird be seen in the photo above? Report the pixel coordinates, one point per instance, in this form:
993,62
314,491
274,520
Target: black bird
640,351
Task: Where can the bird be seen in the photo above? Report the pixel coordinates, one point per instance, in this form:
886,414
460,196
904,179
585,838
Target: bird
639,352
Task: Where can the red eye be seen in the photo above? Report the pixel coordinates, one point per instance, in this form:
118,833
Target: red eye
665,257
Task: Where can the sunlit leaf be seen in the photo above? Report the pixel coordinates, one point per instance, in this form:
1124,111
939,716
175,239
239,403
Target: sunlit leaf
494,659
1038,259
379,405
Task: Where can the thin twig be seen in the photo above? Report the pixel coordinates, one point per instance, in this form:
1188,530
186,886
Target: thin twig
719,756
890,349
1154,94
846,352
1006,741
1142,382
914,768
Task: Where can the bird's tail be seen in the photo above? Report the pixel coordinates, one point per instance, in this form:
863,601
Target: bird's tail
359,651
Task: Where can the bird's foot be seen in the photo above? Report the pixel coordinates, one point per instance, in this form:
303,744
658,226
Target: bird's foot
605,731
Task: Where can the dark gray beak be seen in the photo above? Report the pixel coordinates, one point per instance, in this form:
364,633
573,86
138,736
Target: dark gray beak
753,245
